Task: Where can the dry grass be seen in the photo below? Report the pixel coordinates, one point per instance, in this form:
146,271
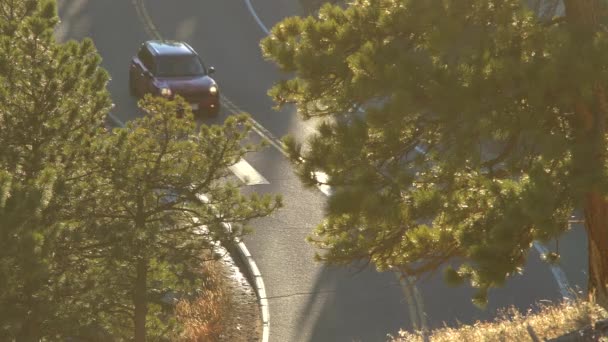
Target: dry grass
551,321
203,318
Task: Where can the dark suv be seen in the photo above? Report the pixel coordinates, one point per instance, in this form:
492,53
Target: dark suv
169,68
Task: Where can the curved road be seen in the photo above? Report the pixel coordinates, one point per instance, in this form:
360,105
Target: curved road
308,302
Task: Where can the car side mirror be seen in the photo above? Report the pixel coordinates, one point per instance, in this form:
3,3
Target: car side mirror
211,70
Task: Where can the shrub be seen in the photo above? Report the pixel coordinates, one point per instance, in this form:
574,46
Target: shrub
201,318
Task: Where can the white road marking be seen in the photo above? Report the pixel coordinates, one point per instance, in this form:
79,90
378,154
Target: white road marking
406,287
419,304
323,178
255,16
116,120
247,174
256,126
247,258
420,150
558,273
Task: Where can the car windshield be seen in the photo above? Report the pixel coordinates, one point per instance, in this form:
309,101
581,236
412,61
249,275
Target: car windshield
179,66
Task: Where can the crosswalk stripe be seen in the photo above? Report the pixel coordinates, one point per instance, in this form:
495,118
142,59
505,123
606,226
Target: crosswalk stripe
247,174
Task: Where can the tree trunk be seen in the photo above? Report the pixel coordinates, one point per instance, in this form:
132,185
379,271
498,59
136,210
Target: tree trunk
596,225
583,18
140,299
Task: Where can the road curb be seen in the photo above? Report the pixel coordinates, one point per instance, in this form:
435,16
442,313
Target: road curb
258,283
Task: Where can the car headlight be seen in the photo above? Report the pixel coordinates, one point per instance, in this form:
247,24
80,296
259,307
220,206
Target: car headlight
213,90
165,92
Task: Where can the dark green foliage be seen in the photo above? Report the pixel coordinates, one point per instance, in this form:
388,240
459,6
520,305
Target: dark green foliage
452,277
87,217
53,103
146,209
456,113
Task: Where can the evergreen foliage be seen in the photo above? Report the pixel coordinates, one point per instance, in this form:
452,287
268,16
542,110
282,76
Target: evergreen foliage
99,230
53,104
147,224
452,132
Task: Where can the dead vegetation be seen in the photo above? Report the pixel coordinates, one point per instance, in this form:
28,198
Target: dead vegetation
227,308
551,321
202,319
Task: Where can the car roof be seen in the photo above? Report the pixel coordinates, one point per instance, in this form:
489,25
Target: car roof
170,47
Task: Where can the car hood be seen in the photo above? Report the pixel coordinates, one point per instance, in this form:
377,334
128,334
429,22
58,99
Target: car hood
186,84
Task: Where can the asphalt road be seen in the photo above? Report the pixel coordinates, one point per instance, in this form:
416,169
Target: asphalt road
308,302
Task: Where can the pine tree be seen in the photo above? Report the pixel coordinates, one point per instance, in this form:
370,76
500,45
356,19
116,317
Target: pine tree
53,104
456,131
148,222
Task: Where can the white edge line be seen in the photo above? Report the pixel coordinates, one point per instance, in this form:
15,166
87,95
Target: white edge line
276,145
255,275
116,120
322,178
260,288
419,302
256,127
412,307
255,16
558,273
420,150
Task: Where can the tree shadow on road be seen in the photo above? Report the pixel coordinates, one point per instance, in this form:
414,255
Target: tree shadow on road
352,305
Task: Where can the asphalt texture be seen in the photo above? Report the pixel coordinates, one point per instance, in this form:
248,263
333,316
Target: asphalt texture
308,301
